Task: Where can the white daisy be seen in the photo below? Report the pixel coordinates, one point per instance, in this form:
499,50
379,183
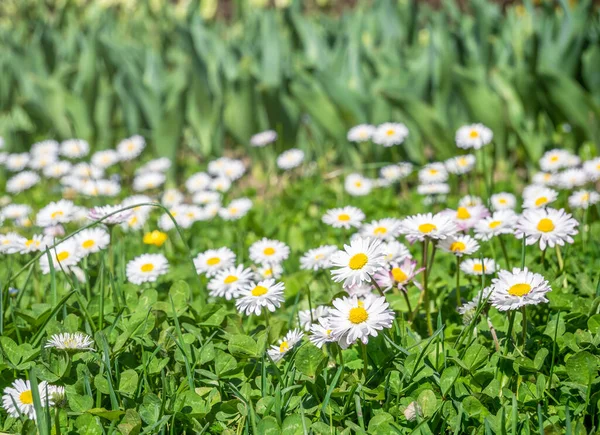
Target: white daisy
477,266
357,262
111,214
459,245
11,243
290,159
198,182
265,294
583,199
148,181
70,341
38,242
516,289
236,209
389,134
92,240
592,169
500,222
146,268
433,173
467,217
85,170
74,148
353,319
317,258
229,282
206,197
320,333
63,255
433,189
130,148
263,138
345,217
360,133
394,251
285,345
399,275
45,148
544,179
214,260
503,201
306,317
461,164
17,162
57,169
220,184
548,226
22,181
428,226
357,185
18,399
162,164
16,211
473,136
554,160
469,308
391,173
384,229
267,271
40,162
268,251
570,178
105,158
539,196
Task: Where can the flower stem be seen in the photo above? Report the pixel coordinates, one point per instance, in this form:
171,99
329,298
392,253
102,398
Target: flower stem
524,311
561,263
511,323
425,291
365,360
458,302
543,257
405,293
504,251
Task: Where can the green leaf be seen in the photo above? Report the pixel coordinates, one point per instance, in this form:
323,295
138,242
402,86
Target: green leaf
150,409
582,367
292,425
268,426
448,378
474,408
310,360
243,345
79,403
180,293
131,423
475,356
428,402
128,382
87,424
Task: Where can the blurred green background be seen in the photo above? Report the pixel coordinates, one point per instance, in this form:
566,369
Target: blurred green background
206,75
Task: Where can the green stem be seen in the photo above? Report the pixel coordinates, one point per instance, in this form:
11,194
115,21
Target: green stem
458,301
504,251
543,257
523,253
524,311
561,263
425,291
365,359
511,323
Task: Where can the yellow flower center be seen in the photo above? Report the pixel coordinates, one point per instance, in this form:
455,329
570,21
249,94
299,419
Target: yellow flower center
358,261
62,256
284,347
474,134
148,267
130,146
380,231
26,397
585,197
541,201
230,279
433,171
554,159
319,256
545,225
259,290
269,251
133,221
268,272
343,217
358,315
427,228
457,247
88,244
495,224
213,261
478,267
502,201
462,161
390,132
233,210
56,214
358,183
155,238
28,243
519,289
462,213
399,275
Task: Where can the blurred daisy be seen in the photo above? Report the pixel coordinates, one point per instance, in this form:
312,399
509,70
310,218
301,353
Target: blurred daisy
554,160
500,222
263,138
469,308
460,164
171,198
357,185
63,255
206,197
85,170
317,258
503,201
583,199
148,181
42,161
433,189
105,158
268,251
57,169
354,319
213,260
473,136
516,289
399,275
285,345
265,294
198,182
11,243
428,226
70,341
146,268
536,197
548,226
433,173
360,290
220,184
477,266
345,217
570,178
74,148
16,211
306,317
391,173
459,245
92,240
394,251
360,133
17,162
592,169
290,159
357,262
130,148
156,238
18,399
384,229
320,333
22,181
236,209
38,242
229,282
268,271
544,179
110,214
45,148
467,217
389,134
162,164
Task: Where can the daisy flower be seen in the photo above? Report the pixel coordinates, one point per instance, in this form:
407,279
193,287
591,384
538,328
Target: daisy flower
433,173
198,182
570,178
389,134
470,307
459,245
354,319
345,217
115,213
265,294
548,226
263,138
45,148
500,222
320,333
478,267
229,282
473,136
433,189
63,255
423,226
17,162
226,167
290,159
73,342
467,217
399,275
317,258
105,158
357,262
146,268
357,185
213,260
237,209
516,289
92,240
285,345
16,211
583,199
22,181
461,164
306,317
156,238
85,170
74,148
384,229
18,399
267,271
592,169
360,133
268,251
57,169
544,179
554,160
503,201
394,251
38,242
220,184
538,196
162,164
42,161
360,290
391,173
206,197
11,243
130,148
148,181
